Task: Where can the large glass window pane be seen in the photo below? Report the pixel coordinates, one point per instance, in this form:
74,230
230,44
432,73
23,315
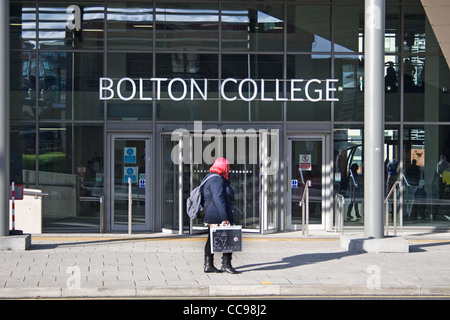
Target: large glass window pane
130,97
392,82
187,26
252,101
413,93
349,28
426,170
426,82
187,97
64,24
392,172
309,28
71,172
349,169
349,69
130,25
171,183
22,24
392,42
349,172
309,67
23,86
22,153
418,33
58,85
252,26
68,84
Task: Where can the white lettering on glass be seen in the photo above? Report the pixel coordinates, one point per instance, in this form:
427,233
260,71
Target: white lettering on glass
231,89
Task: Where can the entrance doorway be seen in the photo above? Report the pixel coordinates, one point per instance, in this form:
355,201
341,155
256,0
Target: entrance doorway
130,163
307,169
253,155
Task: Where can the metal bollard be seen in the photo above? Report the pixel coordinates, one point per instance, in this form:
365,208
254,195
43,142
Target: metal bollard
129,206
102,214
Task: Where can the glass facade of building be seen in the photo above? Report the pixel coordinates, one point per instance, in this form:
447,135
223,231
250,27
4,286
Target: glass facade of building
92,80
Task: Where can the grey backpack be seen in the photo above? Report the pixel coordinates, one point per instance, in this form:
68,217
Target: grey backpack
194,204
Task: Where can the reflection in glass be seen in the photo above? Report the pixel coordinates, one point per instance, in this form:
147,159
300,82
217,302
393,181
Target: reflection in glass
309,28
267,67
187,66
426,156
130,26
349,28
349,69
23,25
134,66
22,152
418,34
56,85
426,83
392,42
69,25
392,88
68,85
187,26
58,56
348,152
23,87
252,27
70,171
309,67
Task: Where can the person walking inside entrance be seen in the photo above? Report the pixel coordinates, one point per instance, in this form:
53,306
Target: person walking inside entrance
218,197
355,194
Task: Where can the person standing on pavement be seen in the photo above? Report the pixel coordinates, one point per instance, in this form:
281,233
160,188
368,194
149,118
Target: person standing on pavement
218,199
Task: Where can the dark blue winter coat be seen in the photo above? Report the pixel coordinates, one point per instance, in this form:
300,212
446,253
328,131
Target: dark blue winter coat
218,197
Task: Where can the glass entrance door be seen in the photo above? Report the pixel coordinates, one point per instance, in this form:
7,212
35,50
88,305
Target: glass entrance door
306,169
244,180
130,164
253,157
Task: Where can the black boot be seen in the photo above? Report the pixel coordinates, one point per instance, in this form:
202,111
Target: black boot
209,264
349,211
358,216
226,264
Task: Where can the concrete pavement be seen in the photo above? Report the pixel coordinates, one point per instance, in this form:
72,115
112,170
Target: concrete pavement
278,265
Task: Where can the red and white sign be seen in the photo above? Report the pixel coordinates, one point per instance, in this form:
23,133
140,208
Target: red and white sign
305,162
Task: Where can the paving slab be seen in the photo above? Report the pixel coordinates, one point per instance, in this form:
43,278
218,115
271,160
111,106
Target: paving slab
281,265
